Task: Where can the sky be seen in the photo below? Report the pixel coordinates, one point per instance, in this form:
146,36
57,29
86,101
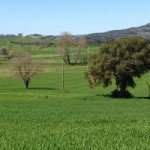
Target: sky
51,17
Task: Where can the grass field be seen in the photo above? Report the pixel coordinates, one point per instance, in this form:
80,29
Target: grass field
43,117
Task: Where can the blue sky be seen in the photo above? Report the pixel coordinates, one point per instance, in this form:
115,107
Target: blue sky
75,16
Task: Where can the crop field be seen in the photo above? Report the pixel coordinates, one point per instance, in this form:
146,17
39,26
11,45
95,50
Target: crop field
43,117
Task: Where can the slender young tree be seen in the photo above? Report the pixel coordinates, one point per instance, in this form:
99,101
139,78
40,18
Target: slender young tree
64,45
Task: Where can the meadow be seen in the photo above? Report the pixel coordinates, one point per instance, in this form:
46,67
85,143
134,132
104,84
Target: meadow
43,117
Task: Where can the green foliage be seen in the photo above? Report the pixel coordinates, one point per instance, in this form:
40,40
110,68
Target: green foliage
123,60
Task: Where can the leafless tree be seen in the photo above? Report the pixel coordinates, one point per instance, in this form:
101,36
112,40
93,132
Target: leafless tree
80,47
65,43
25,67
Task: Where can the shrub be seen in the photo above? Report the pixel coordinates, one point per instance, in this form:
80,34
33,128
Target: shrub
4,51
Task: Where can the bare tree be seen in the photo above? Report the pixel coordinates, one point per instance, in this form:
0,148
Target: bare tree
80,47
65,42
25,67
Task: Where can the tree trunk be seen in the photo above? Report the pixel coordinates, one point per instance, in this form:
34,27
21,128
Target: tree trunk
117,83
62,76
26,82
68,60
123,89
117,88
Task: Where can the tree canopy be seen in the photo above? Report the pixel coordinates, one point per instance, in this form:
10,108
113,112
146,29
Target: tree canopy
122,60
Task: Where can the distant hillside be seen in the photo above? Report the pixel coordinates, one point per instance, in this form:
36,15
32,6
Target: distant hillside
96,38
143,31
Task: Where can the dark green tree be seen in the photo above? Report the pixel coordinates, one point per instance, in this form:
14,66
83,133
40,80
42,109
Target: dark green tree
122,60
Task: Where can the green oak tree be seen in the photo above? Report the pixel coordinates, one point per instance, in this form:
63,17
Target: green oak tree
121,60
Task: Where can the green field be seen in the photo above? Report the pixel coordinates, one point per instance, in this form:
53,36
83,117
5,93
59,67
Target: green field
43,117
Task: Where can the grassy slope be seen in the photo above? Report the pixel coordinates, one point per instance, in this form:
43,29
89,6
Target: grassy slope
81,118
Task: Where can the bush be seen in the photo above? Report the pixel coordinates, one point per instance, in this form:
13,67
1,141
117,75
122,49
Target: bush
4,51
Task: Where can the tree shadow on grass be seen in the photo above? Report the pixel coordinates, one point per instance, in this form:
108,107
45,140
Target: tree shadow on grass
105,95
133,97
144,97
43,88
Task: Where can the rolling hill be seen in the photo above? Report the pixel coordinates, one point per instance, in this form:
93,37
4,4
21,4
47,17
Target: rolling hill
97,38
143,31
